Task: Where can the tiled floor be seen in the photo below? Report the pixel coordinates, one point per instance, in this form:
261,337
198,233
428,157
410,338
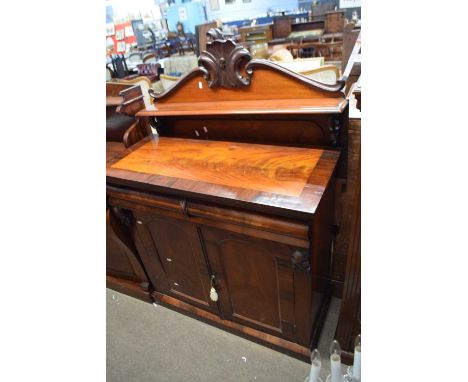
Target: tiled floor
151,343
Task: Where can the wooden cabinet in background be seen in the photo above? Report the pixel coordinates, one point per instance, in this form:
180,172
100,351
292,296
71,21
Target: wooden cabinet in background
334,22
282,27
257,34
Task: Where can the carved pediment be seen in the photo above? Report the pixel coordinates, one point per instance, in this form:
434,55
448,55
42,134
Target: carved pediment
228,65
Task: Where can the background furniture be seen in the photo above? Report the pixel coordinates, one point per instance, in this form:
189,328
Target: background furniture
349,324
168,81
350,36
334,22
150,70
282,27
256,34
109,74
200,32
124,270
150,58
301,65
179,65
122,102
242,243
145,85
327,74
119,66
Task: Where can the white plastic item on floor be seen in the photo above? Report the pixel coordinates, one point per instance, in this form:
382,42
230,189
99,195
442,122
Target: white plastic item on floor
357,358
335,362
315,365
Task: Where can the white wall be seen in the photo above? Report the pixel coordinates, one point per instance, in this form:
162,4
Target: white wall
240,10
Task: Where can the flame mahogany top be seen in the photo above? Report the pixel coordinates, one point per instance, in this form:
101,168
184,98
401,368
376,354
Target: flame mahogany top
257,176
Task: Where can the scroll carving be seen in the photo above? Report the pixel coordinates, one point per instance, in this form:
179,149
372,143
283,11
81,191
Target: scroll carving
300,261
224,61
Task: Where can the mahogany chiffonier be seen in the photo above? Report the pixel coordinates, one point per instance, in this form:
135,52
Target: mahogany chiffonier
231,206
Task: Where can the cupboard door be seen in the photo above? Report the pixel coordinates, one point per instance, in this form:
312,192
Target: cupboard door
257,285
176,264
122,260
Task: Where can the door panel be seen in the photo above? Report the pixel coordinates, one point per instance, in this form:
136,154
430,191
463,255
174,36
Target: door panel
122,259
175,247
255,281
252,298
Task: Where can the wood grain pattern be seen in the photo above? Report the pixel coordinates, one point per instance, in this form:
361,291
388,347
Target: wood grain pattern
258,225
257,167
210,197
266,84
272,187
234,107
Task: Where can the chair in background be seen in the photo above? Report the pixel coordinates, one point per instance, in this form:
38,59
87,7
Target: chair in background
168,81
119,66
185,40
327,74
302,64
178,65
121,124
284,58
150,70
200,35
151,57
281,55
109,74
135,57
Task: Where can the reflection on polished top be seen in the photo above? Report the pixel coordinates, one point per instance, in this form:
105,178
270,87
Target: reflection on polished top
291,178
276,169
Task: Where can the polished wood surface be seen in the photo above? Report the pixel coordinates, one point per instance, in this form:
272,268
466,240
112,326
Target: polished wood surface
266,85
278,177
260,225
210,204
173,246
263,168
123,265
237,260
349,324
272,106
113,101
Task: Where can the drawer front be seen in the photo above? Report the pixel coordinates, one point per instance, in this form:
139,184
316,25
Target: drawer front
256,224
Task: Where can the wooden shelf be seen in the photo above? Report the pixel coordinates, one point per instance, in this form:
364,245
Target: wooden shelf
275,106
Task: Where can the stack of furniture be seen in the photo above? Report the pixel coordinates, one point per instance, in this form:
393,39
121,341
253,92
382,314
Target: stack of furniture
119,66
256,34
231,207
349,239
124,269
200,33
328,43
123,100
282,27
